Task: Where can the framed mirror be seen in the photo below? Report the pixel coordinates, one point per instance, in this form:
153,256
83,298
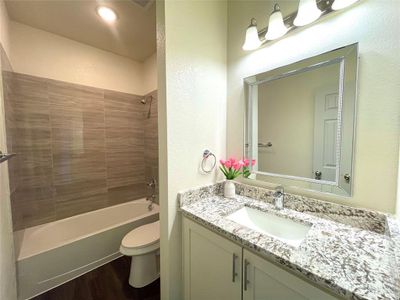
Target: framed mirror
300,122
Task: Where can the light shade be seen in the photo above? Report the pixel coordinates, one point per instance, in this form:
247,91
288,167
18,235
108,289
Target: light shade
252,40
339,4
308,12
276,27
107,14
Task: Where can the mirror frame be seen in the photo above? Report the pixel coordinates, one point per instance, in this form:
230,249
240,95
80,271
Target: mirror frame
340,55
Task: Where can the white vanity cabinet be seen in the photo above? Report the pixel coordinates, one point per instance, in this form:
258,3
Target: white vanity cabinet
263,280
218,269
212,265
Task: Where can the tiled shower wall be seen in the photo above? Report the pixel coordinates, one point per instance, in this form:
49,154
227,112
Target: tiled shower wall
151,139
78,148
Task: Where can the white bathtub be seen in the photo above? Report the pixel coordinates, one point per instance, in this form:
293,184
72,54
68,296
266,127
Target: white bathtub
51,254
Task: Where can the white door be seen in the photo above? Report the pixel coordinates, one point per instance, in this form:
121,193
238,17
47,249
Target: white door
325,134
263,280
212,265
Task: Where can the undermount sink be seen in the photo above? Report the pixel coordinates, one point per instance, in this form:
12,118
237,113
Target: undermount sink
283,229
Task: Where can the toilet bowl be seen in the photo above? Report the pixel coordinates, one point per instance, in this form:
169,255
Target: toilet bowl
143,244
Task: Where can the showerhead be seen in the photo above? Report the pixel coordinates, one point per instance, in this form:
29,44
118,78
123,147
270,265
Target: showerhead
144,101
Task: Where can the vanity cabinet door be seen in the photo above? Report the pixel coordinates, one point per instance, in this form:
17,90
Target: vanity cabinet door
263,280
212,265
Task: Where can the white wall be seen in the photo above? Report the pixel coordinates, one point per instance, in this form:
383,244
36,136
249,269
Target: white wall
192,107
376,26
8,287
40,53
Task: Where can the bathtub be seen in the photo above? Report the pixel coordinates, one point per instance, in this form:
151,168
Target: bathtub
51,254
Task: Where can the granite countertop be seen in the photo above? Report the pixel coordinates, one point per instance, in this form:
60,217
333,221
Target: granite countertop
352,252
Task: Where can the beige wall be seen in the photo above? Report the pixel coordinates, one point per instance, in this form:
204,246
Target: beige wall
192,103
150,74
286,119
4,28
8,288
377,143
43,54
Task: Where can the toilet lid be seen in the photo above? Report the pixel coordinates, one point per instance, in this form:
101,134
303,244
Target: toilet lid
142,236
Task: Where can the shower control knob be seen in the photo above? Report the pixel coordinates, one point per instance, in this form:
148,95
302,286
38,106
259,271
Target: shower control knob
318,175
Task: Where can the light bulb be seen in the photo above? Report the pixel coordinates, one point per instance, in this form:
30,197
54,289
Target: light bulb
276,27
252,40
308,12
107,14
340,4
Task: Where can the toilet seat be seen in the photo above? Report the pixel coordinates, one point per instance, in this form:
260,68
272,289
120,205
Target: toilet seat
141,240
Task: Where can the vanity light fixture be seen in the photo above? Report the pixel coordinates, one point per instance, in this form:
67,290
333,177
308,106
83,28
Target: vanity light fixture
340,4
276,26
307,13
107,14
252,40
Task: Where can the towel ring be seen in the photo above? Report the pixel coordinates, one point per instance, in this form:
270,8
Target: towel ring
206,155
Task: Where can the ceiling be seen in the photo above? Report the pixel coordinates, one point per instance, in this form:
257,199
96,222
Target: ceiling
133,35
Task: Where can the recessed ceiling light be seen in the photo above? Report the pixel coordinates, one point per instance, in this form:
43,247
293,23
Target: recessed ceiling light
107,14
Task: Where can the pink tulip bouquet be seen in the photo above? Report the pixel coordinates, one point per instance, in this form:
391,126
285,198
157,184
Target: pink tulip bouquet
246,167
232,168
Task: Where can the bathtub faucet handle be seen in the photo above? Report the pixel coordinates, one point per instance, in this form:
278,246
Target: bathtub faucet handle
152,198
152,183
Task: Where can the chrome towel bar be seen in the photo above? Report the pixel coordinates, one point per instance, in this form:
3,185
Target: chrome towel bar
263,145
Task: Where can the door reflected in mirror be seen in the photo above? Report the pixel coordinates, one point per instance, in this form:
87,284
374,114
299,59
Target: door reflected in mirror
300,122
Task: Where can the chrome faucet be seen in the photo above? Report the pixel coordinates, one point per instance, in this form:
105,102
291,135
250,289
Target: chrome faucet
152,184
279,196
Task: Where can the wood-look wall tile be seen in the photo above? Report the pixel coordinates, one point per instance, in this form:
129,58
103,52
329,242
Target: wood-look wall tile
76,187
65,164
32,206
151,142
80,148
32,199
126,193
82,204
122,101
76,106
77,140
124,141
27,86
129,120
124,168
10,126
62,118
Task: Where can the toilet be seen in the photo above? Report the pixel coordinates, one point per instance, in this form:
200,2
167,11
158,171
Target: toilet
143,244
